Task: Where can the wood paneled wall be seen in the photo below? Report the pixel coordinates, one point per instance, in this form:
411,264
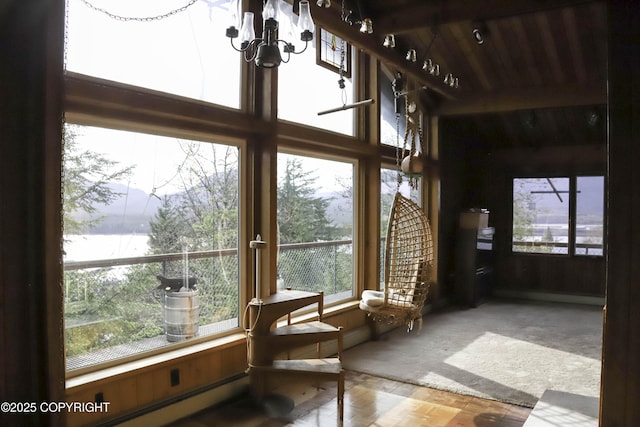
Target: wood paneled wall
475,176
130,390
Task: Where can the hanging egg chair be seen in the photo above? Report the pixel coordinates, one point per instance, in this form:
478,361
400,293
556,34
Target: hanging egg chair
408,264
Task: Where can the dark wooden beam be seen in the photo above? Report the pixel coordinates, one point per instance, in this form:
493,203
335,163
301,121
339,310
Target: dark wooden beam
32,365
331,20
430,14
515,99
620,389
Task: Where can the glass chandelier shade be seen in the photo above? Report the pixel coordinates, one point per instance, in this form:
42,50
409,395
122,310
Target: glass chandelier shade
247,32
265,51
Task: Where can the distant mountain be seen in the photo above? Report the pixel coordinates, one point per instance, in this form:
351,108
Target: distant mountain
129,213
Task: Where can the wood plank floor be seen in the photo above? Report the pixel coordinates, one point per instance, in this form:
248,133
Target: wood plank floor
369,401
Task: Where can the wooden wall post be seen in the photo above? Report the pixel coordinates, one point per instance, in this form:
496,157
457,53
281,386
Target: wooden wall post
620,391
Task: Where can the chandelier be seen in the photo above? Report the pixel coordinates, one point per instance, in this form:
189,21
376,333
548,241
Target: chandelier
265,51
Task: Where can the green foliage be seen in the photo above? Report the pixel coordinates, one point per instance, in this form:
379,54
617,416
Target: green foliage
324,268
523,214
301,215
103,308
168,228
85,184
389,180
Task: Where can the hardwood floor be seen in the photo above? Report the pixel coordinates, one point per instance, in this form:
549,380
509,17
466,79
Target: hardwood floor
369,401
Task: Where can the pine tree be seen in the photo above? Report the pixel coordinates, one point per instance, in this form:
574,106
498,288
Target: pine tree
86,183
301,215
167,229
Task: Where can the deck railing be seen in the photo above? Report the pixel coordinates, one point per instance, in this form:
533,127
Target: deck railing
113,307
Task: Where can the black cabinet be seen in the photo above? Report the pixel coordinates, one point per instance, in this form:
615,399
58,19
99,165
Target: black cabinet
474,258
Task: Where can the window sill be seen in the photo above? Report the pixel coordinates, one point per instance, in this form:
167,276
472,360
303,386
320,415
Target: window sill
131,367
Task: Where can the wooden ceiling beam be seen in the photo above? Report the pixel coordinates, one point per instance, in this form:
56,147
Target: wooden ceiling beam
330,19
433,13
514,99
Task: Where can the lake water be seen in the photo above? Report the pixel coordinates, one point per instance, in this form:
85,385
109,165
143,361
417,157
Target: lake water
87,247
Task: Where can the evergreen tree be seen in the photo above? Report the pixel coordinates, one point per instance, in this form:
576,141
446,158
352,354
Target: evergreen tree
167,229
524,213
85,183
301,215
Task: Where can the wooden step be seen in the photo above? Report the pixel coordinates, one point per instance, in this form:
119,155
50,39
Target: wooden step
328,366
265,312
288,337
312,369
315,328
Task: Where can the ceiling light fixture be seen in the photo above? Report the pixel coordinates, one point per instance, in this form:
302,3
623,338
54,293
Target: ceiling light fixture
411,55
389,41
451,81
265,51
367,26
324,3
479,32
431,68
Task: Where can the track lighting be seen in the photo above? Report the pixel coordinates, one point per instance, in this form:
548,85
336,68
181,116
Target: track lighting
451,81
479,32
430,67
366,26
411,55
389,41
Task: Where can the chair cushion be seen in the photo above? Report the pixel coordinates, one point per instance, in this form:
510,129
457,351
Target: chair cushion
372,298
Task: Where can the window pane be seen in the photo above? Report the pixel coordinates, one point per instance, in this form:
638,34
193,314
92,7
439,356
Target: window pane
143,216
541,215
185,54
315,222
305,88
589,215
388,123
388,188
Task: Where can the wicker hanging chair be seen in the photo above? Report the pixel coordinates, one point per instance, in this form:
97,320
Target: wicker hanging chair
408,263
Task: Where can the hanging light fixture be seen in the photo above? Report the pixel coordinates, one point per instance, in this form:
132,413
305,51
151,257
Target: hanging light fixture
389,41
324,3
265,51
366,27
452,81
430,67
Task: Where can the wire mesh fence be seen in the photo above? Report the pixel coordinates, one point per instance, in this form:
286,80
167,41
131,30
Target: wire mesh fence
319,267
114,308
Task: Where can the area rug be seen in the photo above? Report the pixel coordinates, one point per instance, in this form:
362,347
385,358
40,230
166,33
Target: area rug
509,351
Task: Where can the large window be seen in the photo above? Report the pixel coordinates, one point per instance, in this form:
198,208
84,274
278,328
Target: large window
150,242
185,53
542,214
315,225
305,89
